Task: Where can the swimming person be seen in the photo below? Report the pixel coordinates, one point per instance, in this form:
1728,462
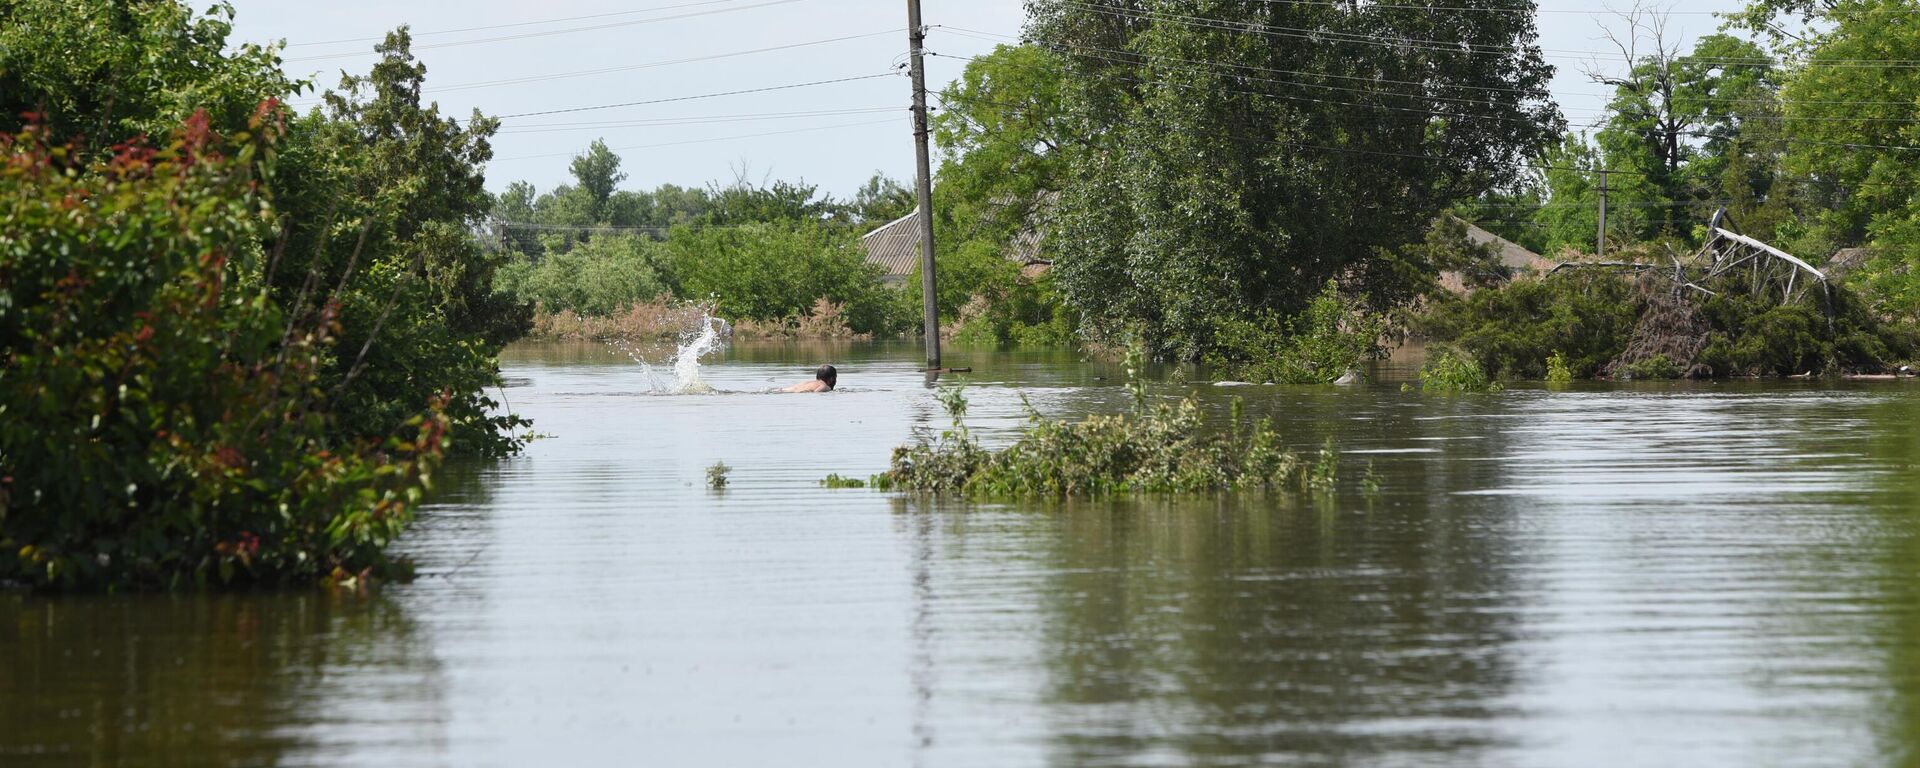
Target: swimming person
823,380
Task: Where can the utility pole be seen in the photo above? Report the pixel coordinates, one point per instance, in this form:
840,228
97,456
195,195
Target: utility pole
1600,246
916,37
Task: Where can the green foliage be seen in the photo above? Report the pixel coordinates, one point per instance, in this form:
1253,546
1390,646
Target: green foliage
717,475
1161,449
1511,331
1558,372
1751,336
1450,370
776,270
879,201
1327,339
1586,322
599,277
1325,472
165,422
1656,367
1202,195
1370,482
376,194
105,71
835,481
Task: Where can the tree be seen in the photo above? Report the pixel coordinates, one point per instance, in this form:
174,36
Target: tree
879,201
1853,182
379,194
1232,167
106,71
596,173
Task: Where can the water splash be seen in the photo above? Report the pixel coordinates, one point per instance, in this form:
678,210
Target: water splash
693,346
682,369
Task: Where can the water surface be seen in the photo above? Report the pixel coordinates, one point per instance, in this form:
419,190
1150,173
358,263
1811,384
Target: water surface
1662,574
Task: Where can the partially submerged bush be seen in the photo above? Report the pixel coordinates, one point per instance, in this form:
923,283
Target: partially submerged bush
1656,367
1451,370
1331,337
1606,324
1557,370
1512,330
1162,448
164,422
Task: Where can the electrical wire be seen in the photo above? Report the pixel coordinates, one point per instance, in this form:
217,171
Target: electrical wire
1438,46
570,110
996,37
703,141
676,121
549,33
653,64
515,24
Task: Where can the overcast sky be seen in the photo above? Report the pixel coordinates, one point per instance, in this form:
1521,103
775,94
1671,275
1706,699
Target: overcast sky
778,133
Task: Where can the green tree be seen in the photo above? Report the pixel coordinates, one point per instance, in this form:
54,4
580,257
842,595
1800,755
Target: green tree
596,173
378,194
1852,185
879,201
1214,189
105,71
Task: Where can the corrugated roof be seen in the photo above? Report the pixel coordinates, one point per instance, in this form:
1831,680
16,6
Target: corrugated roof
1511,254
895,246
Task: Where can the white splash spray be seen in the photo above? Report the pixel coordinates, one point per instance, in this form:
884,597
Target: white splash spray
684,366
686,360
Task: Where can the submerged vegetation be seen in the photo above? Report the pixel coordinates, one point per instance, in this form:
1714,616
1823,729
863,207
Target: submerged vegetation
1450,370
1160,448
1592,323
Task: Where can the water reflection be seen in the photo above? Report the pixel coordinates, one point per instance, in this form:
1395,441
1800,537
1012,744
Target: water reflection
235,680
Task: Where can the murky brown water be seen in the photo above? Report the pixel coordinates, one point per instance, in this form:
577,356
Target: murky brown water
1716,574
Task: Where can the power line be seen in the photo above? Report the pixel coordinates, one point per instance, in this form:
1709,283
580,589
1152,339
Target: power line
515,24
1603,113
1438,46
651,64
697,96
548,33
703,141
677,121
996,37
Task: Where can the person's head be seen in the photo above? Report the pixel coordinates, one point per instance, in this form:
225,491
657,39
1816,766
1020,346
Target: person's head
828,374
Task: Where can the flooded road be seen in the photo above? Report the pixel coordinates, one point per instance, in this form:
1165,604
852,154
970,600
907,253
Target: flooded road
1650,574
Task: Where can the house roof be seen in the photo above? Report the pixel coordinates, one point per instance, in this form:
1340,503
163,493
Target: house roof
895,246
1511,254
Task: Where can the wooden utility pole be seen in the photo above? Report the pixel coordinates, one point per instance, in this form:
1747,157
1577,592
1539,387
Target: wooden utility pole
1600,246
916,38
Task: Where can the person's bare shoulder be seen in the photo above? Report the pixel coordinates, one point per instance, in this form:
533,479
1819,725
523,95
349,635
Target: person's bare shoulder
810,386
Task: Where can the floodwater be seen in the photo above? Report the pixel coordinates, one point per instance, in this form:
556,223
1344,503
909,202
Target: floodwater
1658,574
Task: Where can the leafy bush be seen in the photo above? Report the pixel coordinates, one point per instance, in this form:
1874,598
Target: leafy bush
1160,449
1329,338
1557,370
1591,321
1656,367
778,270
1450,370
163,421
601,277
1512,330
